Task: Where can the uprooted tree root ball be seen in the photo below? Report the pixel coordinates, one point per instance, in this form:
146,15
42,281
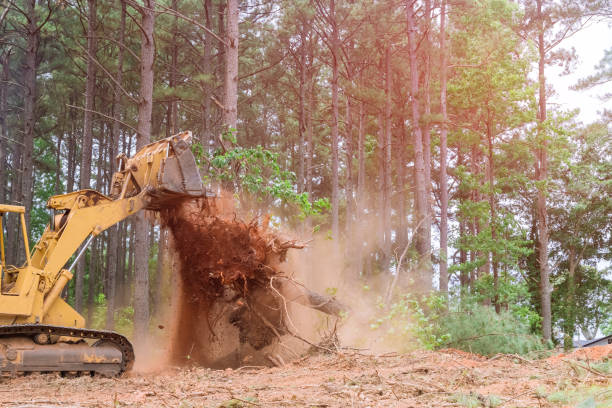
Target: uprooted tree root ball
229,305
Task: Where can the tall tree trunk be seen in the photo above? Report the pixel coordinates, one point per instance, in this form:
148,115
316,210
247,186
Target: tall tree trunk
570,310
4,82
541,176
309,130
421,239
335,49
426,134
207,86
349,173
31,54
443,154
380,191
301,111
491,189
145,109
97,247
86,144
57,188
402,211
230,100
173,125
360,188
113,233
387,156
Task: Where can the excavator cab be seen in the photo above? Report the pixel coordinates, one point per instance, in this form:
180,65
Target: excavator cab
9,272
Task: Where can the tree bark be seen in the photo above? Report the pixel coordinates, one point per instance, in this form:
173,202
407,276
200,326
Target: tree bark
492,209
309,126
570,314
86,144
96,249
301,111
360,187
230,101
541,176
335,49
349,175
31,65
443,154
173,125
113,233
145,109
426,135
4,79
387,156
207,86
423,281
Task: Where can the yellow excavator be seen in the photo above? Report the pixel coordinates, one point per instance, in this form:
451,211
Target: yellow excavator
39,331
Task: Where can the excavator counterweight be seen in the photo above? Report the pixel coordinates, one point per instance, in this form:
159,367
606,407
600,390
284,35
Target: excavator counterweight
39,331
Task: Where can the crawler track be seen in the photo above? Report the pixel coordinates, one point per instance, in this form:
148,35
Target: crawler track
19,352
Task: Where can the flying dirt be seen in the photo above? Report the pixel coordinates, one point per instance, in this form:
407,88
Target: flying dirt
235,299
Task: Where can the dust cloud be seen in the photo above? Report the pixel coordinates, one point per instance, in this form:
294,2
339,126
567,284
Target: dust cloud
229,308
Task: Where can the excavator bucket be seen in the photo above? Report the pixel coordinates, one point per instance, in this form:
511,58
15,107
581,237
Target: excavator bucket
166,169
180,173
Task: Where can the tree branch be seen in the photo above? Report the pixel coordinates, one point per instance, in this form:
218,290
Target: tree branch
103,115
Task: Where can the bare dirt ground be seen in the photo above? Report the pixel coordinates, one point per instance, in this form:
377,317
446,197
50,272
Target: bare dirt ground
448,378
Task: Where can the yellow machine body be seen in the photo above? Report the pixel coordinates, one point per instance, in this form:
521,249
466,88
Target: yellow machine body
157,175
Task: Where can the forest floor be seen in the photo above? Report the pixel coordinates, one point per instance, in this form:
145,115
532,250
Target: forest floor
446,378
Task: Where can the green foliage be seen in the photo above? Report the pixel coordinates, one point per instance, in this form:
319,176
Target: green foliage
467,325
124,321
410,319
99,313
478,329
256,175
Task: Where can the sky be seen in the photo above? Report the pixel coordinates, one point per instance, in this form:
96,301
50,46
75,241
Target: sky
590,44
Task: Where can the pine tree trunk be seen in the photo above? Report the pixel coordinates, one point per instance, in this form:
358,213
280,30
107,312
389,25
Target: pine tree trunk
402,228
349,174
423,281
86,144
173,125
301,112
96,250
113,232
387,156
230,100
443,154
491,179
360,188
426,135
541,176
31,65
207,134
380,196
570,312
4,79
309,132
145,109
335,49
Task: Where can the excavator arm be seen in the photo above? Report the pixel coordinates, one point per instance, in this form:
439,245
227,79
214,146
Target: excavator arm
160,175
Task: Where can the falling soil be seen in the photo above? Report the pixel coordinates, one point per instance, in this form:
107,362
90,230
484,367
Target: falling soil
228,308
